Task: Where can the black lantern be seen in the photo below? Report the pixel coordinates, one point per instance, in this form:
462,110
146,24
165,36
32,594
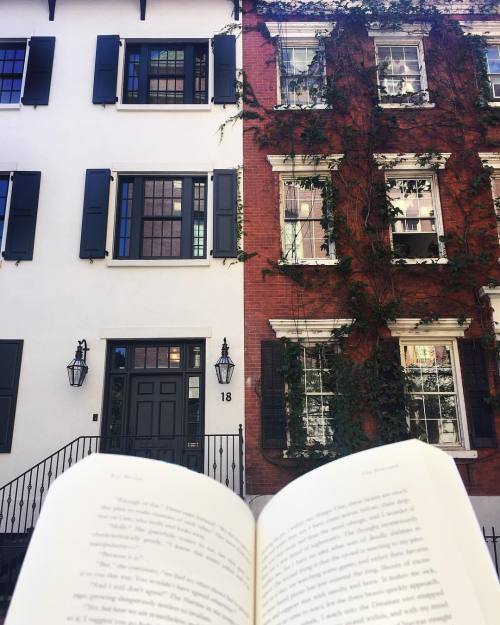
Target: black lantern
224,366
77,368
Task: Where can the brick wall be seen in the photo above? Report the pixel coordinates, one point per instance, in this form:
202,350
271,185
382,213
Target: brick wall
270,296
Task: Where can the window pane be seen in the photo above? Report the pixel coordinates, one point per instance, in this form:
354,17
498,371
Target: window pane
4,187
303,237
119,358
194,356
432,404
302,75
11,72
400,73
175,357
124,217
161,237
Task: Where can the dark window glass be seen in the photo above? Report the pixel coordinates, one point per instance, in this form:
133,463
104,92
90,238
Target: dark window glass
166,73
4,187
11,71
119,358
161,217
153,357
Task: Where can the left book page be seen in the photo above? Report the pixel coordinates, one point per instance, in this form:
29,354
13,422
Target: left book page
129,541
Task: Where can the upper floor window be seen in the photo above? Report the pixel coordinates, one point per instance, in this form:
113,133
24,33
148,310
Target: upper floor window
302,74
166,73
161,217
416,227
301,62
12,56
493,63
302,209
495,183
401,73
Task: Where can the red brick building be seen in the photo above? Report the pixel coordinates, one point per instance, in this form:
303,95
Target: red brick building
371,164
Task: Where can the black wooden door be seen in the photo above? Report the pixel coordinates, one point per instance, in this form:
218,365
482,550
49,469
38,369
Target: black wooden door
156,417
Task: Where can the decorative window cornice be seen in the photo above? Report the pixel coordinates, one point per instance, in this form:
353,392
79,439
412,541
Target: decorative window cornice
307,330
300,30
445,327
490,159
416,30
411,161
484,28
302,163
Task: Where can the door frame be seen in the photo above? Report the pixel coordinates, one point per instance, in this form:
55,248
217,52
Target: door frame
128,371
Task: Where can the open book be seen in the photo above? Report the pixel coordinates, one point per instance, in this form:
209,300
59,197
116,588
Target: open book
384,537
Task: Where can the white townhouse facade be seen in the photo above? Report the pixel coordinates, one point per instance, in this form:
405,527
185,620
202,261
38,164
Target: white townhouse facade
118,226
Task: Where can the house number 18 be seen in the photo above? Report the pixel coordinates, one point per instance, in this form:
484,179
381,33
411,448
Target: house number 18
225,396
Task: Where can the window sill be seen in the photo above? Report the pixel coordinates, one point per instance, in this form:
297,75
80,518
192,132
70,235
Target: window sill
312,261
10,107
163,107
296,107
419,261
309,455
181,262
406,106
460,453
494,104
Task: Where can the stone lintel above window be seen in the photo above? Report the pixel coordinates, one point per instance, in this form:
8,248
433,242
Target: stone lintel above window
484,28
449,327
490,159
304,164
309,331
411,161
300,30
415,30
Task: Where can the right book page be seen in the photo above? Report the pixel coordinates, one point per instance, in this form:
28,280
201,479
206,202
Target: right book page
383,537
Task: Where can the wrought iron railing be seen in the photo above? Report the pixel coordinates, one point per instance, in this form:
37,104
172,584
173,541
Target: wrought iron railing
492,541
219,456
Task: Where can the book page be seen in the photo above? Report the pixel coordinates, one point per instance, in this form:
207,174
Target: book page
384,537
129,541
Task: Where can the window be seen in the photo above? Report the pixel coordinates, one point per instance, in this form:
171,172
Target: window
433,409
4,188
303,234
493,63
166,73
495,183
12,57
416,227
401,73
161,217
302,74
317,414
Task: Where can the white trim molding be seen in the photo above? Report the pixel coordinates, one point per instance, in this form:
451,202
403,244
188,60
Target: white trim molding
304,164
300,30
417,29
307,330
484,28
410,161
445,327
493,294
490,159
156,332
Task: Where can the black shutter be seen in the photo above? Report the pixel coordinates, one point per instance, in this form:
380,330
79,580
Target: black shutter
225,243
476,390
273,395
22,215
106,69
224,47
95,213
10,366
39,71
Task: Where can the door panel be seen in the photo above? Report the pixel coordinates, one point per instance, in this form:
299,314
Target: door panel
156,417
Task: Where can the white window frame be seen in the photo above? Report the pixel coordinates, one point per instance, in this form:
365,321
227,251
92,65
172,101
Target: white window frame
302,166
408,166
444,331
493,101
408,35
327,259
165,169
298,35
492,160
18,105
6,169
309,333
488,29
123,106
